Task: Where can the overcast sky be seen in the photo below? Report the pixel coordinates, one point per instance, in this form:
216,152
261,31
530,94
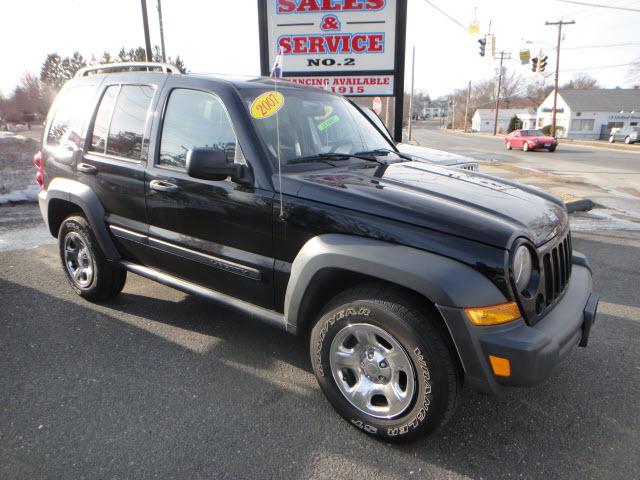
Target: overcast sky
222,36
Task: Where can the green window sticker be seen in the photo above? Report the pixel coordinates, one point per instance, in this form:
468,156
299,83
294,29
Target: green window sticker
328,122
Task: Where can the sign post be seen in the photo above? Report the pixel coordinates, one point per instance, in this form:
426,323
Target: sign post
351,47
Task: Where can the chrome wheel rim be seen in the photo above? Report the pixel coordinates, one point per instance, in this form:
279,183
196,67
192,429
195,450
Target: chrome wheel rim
372,370
78,260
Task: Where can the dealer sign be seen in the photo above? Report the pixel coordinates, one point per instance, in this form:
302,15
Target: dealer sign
347,46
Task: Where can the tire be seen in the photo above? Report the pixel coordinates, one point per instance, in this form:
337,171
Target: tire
612,139
420,365
509,147
525,147
627,140
90,274
552,149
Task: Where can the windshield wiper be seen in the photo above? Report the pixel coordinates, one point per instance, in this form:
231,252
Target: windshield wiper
324,157
382,152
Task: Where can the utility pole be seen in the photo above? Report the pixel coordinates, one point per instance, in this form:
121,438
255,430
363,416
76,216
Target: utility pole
559,23
145,24
466,107
164,55
413,67
503,55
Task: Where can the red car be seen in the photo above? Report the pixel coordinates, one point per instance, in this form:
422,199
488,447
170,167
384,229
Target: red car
530,140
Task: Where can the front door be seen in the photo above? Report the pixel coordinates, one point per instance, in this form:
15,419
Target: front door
214,233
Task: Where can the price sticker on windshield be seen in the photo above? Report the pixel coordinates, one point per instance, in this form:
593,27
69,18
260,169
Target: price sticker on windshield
266,104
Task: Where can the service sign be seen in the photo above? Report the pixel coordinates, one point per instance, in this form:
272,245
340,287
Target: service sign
355,39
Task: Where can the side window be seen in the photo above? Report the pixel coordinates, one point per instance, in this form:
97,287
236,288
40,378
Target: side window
72,110
128,122
195,119
103,117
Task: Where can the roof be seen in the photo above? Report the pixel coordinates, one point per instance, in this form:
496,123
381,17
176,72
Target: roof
503,114
602,100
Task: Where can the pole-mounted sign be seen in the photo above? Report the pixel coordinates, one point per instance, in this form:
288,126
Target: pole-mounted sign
350,47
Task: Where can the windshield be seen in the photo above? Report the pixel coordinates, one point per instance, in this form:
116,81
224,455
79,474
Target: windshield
313,123
532,133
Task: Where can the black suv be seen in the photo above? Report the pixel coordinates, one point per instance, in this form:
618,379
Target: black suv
289,204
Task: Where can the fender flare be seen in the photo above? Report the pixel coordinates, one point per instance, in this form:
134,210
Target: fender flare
440,279
85,198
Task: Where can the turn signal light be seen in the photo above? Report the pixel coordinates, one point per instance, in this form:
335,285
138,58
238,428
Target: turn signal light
494,314
501,366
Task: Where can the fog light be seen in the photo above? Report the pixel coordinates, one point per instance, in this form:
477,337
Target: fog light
501,366
494,314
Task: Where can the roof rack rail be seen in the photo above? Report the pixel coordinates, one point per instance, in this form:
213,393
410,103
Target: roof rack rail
165,67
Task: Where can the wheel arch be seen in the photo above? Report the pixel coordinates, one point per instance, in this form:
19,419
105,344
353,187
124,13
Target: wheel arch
330,263
65,197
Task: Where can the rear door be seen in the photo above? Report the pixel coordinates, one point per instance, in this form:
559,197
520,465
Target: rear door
115,160
214,233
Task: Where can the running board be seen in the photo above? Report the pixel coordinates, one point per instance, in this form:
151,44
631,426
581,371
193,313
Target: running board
271,317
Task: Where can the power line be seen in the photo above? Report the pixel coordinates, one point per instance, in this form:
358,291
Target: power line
447,15
600,5
597,68
602,46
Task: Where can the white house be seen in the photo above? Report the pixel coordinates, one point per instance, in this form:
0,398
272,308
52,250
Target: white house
591,114
483,119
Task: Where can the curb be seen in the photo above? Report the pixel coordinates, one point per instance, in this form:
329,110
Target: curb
582,205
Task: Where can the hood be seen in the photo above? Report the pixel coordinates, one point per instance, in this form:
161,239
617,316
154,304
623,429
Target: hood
456,202
543,139
439,157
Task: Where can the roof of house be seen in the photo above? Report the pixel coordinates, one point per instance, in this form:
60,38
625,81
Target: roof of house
503,114
602,100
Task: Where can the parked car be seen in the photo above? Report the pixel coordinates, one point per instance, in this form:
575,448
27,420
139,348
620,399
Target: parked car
530,140
627,135
420,153
406,279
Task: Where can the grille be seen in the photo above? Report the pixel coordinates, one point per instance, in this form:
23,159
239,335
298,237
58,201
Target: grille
469,166
557,269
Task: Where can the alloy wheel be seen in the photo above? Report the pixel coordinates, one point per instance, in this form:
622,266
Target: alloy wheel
78,260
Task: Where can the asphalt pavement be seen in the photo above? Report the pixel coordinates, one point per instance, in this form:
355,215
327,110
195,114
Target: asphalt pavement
160,384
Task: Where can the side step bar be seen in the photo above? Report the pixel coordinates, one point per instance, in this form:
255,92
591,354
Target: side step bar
271,317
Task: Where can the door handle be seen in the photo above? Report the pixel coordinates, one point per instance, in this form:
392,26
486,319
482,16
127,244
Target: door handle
86,168
166,187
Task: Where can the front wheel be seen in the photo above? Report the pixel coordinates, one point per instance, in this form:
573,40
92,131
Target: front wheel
627,140
552,149
87,269
525,147
384,365
509,146
612,139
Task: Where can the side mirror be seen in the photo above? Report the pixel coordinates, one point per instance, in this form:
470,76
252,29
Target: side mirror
212,164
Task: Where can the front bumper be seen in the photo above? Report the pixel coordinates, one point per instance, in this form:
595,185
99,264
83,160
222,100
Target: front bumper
533,351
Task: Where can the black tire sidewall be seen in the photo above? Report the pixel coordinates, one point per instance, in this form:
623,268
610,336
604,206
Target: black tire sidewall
429,405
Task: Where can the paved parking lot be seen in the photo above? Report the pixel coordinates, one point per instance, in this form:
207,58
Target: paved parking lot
161,384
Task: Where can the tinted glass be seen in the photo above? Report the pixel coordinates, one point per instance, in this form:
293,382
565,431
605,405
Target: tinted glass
72,108
194,119
312,122
101,124
128,121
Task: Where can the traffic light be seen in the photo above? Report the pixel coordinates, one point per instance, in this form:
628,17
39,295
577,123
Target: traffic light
542,63
535,64
483,45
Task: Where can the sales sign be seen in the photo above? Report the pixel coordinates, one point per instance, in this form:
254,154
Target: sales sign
351,46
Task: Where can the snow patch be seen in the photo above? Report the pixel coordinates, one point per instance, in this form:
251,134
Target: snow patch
29,194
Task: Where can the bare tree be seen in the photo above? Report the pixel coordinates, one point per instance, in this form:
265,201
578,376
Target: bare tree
582,81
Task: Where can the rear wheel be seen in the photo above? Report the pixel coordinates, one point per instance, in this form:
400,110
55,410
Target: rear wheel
509,146
612,139
383,364
525,147
87,269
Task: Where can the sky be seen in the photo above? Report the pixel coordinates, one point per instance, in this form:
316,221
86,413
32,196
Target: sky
221,36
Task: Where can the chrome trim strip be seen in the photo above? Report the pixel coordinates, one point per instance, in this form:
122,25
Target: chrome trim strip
128,234
271,317
210,260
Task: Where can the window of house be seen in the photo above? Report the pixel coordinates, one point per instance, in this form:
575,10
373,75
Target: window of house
582,125
195,119
72,109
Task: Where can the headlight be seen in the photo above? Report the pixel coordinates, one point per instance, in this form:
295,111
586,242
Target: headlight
522,267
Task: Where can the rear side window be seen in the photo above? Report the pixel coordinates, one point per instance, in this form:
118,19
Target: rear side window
72,109
195,119
121,121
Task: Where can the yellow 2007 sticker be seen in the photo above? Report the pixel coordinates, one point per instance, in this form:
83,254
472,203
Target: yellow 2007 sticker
266,104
